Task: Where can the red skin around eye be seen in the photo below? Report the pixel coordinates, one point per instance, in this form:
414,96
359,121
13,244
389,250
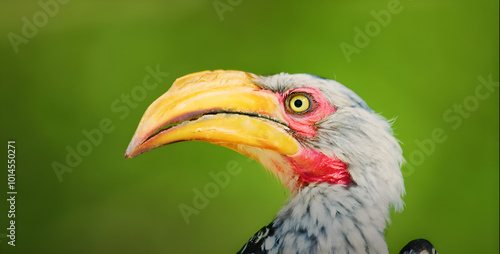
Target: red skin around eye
304,124
309,165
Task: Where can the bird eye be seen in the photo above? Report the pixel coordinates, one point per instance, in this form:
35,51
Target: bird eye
299,103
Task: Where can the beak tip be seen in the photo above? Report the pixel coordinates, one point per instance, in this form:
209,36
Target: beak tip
131,150
131,154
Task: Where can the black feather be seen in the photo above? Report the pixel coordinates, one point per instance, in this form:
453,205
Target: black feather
256,244
418,246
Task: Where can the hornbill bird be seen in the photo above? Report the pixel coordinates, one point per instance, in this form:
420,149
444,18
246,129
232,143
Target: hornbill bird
338,157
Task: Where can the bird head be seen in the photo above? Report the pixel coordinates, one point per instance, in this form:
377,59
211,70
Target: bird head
305,129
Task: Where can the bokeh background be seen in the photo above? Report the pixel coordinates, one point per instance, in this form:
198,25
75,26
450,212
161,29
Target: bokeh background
87,57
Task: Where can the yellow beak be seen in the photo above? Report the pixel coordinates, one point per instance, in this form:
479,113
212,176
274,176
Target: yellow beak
221,107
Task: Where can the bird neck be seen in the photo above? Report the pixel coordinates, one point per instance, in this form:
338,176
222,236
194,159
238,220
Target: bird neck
325,218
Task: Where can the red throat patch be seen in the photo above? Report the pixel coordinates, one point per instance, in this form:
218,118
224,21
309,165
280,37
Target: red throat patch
312,166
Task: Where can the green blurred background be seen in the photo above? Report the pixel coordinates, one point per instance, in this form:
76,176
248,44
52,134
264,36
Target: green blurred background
66,78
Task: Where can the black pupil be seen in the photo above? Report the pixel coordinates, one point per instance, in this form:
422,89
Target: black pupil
297,103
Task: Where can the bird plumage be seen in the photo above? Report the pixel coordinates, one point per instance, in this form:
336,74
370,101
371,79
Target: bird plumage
324,219
418,246
338,157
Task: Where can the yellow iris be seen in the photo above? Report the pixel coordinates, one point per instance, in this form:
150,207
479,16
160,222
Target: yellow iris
299,103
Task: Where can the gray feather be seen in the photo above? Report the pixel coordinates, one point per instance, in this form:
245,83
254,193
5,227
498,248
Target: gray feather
325,218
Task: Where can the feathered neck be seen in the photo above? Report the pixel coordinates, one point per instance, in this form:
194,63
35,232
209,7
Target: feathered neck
325,218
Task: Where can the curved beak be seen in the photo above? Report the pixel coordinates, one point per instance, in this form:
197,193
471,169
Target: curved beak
221,107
